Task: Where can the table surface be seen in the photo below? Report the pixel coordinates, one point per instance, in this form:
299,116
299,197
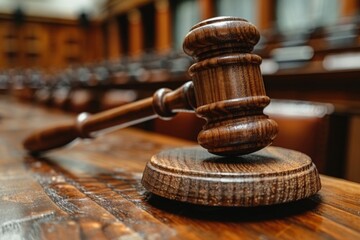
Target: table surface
92,190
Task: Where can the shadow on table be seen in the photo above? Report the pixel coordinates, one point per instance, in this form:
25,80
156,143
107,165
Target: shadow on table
234,214
157,205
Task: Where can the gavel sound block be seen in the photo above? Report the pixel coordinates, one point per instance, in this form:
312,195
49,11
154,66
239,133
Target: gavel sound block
235,167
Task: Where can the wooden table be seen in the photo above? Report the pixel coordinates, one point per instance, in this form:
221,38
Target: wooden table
92,190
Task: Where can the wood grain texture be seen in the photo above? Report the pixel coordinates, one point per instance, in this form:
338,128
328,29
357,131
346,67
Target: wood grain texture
227,91
228,85
92,190
270,176
165,103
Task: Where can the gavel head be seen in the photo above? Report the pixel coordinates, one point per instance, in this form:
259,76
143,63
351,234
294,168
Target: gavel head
228,85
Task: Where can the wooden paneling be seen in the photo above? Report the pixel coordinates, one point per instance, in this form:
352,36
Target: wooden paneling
206,9
113,40
35,45
94,44
266,14
48,43
136,37
349,7
163,26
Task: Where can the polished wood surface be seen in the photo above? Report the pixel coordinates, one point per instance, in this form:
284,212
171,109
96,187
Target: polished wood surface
164,104
230,95
229,89
270,176
92,190
227,85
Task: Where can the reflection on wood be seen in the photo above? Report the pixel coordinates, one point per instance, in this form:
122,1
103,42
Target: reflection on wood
270,176
93,191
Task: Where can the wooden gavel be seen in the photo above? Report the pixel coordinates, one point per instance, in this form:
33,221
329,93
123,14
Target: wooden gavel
226,89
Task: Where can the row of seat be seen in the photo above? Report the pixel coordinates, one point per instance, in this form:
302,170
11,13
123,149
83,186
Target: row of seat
312,128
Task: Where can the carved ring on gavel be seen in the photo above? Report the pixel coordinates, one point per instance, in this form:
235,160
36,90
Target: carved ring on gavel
227,90
227,85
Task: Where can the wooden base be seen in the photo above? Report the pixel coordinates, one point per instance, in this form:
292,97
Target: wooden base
270,176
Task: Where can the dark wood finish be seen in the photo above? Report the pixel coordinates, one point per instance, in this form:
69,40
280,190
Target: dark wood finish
48,43
301,84
93,191
270,176
318,85
164,104
228,84
323,137
229,93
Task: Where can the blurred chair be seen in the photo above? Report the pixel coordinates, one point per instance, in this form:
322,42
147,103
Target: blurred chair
302,127
183,125
117,97
84,100
312,128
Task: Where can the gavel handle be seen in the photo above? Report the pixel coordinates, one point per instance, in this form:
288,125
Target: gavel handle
164,103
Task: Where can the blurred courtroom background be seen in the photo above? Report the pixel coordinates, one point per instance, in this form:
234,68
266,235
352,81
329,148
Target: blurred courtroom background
91,55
